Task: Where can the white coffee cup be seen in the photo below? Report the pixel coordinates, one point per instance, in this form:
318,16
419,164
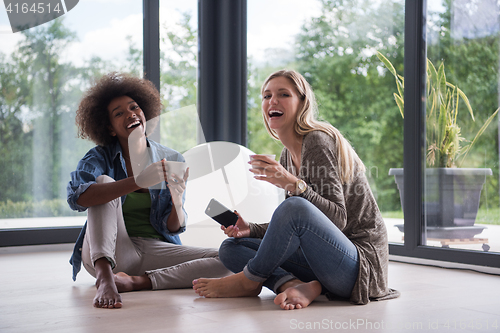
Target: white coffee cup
176,168
253,158
271,156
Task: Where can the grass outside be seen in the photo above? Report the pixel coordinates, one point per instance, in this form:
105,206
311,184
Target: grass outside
398,214
59,207
488,216
484,215
44,208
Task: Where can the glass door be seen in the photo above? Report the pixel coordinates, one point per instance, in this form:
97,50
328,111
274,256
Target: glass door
461,196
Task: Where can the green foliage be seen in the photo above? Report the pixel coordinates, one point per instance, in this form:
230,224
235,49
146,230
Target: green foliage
50,91
397,214
39,94
259,140
335,52
134,59
443,132
15,137
472,62
44,208
179,128
488,216
484,215
178,64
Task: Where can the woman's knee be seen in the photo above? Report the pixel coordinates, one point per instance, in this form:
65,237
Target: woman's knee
295,203
291,208
235,252
116,203
226,249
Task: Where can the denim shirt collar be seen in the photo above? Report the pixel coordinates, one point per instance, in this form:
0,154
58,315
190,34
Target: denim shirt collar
161,201
116,151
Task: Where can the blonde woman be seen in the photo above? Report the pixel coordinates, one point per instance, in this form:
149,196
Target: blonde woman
328,236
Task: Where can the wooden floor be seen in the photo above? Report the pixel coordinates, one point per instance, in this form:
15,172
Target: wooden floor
38,295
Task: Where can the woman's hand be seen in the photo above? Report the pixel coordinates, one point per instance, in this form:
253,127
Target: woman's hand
271,171
239,230
177,186
152,175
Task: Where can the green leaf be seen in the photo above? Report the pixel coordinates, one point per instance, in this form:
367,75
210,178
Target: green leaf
441,79
387,64
400,85
467,103
441,125
401,104
431,71
481,131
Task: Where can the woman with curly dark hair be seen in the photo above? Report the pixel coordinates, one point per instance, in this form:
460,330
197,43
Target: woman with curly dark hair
134,204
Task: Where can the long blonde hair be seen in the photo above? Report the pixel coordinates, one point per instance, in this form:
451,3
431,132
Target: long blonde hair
307,122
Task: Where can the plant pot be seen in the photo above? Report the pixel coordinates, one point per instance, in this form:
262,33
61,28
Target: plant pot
451,194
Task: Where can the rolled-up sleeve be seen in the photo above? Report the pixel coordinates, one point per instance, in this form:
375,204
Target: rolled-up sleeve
88,169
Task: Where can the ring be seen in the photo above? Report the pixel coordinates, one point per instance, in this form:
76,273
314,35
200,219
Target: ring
175,180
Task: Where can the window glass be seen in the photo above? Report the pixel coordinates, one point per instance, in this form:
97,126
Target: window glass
334,44
43,72
462,176
178,64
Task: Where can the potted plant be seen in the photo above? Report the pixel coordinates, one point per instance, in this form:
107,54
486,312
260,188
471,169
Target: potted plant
451,193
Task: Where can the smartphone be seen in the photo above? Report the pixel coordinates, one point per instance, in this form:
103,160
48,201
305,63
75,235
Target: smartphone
221,213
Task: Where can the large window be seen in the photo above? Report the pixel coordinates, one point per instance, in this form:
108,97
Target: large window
44,71
339,46
450,74
334,44
462,188
348,50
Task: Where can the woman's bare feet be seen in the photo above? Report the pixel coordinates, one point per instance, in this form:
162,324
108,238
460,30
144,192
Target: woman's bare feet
299,295
107,295
236,285
125,282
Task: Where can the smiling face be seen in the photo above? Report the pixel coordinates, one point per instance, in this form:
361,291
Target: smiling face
280,103
125,116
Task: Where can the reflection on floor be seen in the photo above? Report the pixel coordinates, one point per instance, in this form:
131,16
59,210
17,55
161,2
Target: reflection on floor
38,295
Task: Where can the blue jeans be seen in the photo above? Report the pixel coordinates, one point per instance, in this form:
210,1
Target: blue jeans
301,242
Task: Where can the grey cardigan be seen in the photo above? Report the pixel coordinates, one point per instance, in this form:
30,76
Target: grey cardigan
351,207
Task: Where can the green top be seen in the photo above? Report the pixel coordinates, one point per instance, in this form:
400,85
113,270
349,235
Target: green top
136,210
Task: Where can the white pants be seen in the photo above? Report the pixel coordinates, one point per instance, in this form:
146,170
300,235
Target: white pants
167,265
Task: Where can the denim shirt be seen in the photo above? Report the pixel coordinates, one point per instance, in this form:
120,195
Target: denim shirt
108,160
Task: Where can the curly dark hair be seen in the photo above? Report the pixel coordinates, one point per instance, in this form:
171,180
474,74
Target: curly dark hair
92,117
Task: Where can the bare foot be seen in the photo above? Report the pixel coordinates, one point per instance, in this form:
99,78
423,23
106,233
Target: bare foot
236,285
125,282
298,296
107,295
